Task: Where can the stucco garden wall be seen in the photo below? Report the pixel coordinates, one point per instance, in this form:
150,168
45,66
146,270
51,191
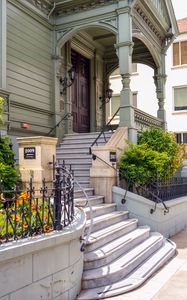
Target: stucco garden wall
43,267
167,224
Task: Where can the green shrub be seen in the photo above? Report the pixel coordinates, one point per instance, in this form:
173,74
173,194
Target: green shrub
1,110
8,172
156,155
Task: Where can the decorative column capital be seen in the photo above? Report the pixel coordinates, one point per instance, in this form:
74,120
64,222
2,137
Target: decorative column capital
126,80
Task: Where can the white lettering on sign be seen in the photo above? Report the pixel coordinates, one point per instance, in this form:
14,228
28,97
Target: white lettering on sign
29,153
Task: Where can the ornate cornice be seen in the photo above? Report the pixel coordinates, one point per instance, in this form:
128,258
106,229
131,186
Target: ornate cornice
32,11
44,5
111,21
148,22
81,7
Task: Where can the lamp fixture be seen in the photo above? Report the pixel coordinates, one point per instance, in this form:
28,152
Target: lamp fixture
67,81
108,94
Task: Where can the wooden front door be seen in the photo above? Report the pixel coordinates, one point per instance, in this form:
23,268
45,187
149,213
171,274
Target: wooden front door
80,93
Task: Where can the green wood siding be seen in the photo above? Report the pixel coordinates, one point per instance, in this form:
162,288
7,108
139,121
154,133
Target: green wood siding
29,71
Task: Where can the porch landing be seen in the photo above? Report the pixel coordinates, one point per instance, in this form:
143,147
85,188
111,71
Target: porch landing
170,281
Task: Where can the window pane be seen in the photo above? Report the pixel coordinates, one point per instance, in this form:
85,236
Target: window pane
184,53
178,138
134,68
184,137
180,98
176,54
115,104
134,99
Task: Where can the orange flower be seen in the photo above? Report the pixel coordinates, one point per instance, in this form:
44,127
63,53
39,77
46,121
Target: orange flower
25,226
47,228
18,218
34,206
19,201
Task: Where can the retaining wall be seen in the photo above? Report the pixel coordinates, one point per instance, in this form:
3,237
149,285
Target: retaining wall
43,267
139,207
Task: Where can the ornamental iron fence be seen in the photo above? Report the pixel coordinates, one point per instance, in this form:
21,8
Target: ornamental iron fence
30,212
153,187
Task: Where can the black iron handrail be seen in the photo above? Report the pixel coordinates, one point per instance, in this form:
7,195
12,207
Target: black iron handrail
132,182
30,212
64,118
107,126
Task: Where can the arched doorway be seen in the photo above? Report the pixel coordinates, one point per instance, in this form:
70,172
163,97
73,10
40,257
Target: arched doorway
80,93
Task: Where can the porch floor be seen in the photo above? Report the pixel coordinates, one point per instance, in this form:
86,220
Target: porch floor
170,281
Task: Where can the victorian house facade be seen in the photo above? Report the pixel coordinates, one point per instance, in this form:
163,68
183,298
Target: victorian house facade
56,58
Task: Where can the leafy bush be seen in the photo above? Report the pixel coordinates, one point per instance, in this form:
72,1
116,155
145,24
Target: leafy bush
8,172
1,110
156,155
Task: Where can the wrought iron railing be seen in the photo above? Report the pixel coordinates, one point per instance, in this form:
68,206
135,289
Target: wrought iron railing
32,212
154,188
64,118
171,188
87,203
108,127
142,121
131,184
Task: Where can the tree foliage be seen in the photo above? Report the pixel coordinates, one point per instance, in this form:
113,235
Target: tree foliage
156,155
1,110
8,172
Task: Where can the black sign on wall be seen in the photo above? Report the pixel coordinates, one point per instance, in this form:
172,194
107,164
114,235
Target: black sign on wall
29,152
112,156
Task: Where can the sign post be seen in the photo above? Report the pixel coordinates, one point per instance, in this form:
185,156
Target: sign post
35,155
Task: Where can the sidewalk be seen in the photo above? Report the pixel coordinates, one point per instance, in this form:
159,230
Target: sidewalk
168,283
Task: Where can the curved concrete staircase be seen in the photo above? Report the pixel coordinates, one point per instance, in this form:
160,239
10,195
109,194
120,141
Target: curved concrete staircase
119,255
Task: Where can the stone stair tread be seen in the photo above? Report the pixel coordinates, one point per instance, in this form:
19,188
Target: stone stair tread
80,151
87,157
99,206
77,146
135,278
124,260
90,198
100,234
106,217
115,244
87,190
94,200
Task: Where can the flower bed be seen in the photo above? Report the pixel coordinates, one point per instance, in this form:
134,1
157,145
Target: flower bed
24,215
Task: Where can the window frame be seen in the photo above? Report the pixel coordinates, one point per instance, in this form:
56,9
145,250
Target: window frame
180,57
173,96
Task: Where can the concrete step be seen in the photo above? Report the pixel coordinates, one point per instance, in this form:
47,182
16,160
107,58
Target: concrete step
73,146
76,157
83,183
87,141
134,279
105,235
100,210
68,151
94,200
106,220
82,172
89,135
79,193
123,265
118,246
81,178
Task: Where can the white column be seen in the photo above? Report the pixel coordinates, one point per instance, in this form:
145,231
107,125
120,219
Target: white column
160,80
124,52
3,42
